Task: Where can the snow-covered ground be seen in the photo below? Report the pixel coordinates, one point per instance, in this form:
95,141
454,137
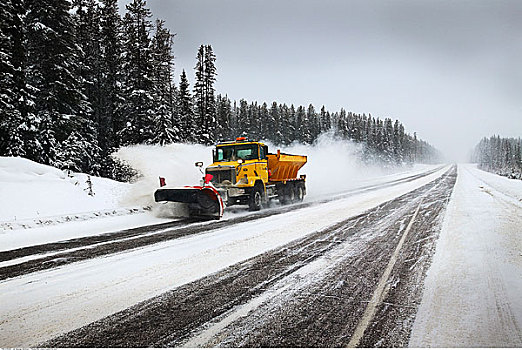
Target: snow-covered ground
473,291
44,304
36,195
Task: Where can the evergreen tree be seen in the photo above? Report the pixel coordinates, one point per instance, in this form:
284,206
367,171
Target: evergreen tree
186,114
224,116
87,37
242,119
166,121
138,72
398,135
52,69
313,125
264,122
291,127
326,123
301,134
16,122
110,102
499,155
205,95
341,129
276,135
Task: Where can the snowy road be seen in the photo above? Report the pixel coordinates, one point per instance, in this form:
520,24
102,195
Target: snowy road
342,272
45,303
24,259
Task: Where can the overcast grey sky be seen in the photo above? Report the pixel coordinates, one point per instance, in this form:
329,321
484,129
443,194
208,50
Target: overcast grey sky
449,70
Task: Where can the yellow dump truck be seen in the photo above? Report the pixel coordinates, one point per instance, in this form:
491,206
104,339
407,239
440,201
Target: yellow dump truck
242,172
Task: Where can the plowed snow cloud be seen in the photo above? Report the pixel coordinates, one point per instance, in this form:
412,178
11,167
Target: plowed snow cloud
333,166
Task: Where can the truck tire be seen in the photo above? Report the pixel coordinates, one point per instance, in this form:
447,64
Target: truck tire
281,195
299,193
290,193
256,199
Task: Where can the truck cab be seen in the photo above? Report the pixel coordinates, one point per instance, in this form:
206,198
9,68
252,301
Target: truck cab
238,168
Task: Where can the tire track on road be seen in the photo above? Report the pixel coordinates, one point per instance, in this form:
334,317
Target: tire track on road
47,256
323,313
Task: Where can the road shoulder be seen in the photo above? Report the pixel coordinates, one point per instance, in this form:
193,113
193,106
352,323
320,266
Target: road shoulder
472,290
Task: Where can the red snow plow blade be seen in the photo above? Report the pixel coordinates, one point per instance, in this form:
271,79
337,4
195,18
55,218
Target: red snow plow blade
203,201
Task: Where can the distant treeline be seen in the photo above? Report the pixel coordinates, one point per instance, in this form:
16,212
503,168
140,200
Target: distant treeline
78,81
500,155
383,141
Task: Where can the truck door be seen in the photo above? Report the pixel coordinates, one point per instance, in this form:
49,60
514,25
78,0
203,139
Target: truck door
262,164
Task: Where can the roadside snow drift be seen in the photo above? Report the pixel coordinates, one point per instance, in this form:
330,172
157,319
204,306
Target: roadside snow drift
32,191
473,289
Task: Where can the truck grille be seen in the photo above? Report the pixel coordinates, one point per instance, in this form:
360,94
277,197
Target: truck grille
227,175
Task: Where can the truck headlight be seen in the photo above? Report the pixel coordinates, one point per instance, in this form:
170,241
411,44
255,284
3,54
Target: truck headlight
234,191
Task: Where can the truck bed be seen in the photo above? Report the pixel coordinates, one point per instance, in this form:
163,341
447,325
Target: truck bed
284,166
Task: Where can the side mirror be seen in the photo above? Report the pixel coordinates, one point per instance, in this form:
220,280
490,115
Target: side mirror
199,164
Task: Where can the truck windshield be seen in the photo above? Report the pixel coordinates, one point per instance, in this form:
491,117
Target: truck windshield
232,153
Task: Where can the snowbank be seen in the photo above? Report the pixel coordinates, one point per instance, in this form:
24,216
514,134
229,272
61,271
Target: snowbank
33,192
472,295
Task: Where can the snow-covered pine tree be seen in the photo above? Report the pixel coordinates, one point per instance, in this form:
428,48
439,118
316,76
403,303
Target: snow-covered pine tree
111,100
18,124
234,120
252,126
325,120
301,125
210,79
224,116
357,128
291,127
313,124
53,57
264,122
387,140
185,110
166,125
204,94
86,17
341,126
138,90
398,140
275,119
199,91
499,155
110,84
242,119
10,116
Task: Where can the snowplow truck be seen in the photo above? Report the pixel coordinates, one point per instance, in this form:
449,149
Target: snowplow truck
243,172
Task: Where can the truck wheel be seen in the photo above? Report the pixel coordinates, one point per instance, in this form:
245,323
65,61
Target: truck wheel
281,194
299,193
256,199
290,193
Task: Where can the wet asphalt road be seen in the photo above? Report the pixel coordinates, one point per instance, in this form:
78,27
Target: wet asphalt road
356,283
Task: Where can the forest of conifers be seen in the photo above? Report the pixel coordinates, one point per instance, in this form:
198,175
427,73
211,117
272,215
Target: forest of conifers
500,155
78,81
